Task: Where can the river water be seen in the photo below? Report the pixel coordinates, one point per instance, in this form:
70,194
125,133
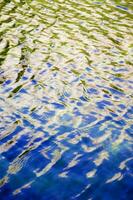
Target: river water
66,99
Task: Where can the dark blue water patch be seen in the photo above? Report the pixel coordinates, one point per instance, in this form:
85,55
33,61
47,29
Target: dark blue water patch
49,142
79,103
23,141
25,110
8,90
7,82
106,96
43,71
12,118
93,113
101,151
117,98
4,164
84,99
2,129
24,78
17,116
51,182
113,114
102,104
122,152
90,80
66,94
17,130
55,74
72,101
34,82
104,174
23,91
122,106
29,69
120,122
16,181
118,79
37,161
27,123
45,100
49,64
92,91
122,69
116,132
128,187
63,97
87,141
39,118
108,191
52,125
88,69
121,62
115,91
82,164
93,154
1,72
122,8
58,105
129,166
48,114
15,150
6,192
95,131
119,111
106,118
129,113
41,129
1,110
37,140
98,186
47,189
129,131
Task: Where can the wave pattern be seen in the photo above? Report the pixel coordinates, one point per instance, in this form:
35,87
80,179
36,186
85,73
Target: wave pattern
66,99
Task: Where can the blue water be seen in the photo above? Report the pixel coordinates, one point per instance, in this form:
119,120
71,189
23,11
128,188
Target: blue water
66,100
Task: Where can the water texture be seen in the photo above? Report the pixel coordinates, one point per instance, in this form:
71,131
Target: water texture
66,99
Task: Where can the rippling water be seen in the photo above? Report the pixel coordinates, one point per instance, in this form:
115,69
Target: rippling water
66,99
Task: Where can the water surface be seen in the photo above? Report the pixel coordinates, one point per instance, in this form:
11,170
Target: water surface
66,99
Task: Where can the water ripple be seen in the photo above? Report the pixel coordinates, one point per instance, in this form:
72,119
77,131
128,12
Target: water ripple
66,100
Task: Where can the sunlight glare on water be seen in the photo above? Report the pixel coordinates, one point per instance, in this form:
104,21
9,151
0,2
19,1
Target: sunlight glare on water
66,99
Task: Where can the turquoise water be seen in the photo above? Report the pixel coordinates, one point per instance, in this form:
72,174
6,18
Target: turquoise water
66,100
